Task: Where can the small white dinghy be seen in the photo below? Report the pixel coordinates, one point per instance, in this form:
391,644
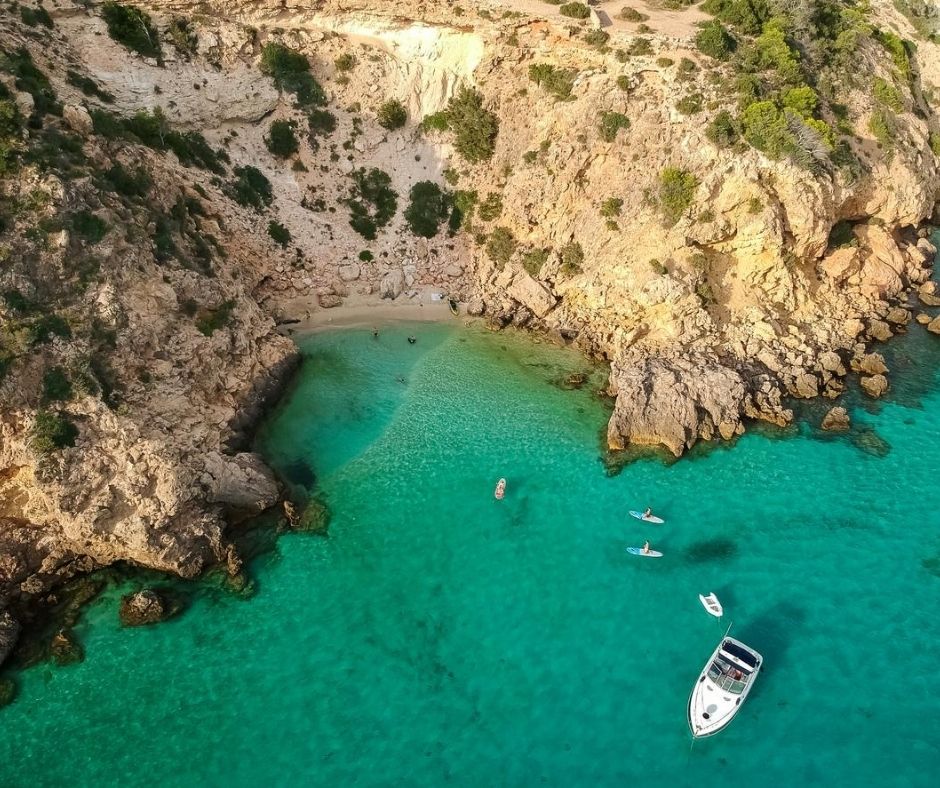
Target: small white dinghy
500,489
711,604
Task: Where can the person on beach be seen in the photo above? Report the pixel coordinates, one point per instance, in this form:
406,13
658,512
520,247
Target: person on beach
375,332
412,340
646,548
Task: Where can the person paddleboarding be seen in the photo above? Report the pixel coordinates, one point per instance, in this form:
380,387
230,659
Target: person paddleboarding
646,548
500,489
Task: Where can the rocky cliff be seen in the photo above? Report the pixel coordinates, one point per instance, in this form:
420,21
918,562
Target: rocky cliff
730,215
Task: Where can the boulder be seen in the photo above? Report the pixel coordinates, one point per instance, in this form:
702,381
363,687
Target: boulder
65,649
923,318
870,364
532,294
880,330
453,270
841,264
9,634
78,119
805,385
243,482
392,284
831,361
927,293
349,273
836,420
145,607
899,316
934,325
476,307
875,385
329,300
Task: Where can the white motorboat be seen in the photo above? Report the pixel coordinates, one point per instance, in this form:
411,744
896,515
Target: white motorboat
722,688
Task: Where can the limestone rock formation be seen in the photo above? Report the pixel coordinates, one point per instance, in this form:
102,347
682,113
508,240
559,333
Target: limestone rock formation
144,607
836,420
874,385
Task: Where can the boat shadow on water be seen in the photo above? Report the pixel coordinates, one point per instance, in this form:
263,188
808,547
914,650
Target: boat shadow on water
770,633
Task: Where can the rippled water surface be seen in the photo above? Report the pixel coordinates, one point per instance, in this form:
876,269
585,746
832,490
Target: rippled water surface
440,637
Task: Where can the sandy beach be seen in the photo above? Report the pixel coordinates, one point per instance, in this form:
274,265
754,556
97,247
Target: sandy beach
358,311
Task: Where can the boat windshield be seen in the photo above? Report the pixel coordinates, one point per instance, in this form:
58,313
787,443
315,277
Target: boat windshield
727,676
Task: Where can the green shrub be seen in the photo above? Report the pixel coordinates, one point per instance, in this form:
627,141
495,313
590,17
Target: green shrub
124,182
436,121
888,94
935,143
748,16
279,233
557,81
428,208
366,256
623,82
754,205
640,47
611,123
690,105
36,16
491,207
628,14
675,193
88,227
281,140
841,235
372,202
474,127
572,259
658,267
52,431
533,260
56,386
714,40
883,128
29,79
765,127
345,62
251,188
44,328
723,130
321,122
183,37
132,28
500,246
665,62
214,319
87,86
464,203
392,115
899,50
611,207
575,10
596,38
290,71
19,303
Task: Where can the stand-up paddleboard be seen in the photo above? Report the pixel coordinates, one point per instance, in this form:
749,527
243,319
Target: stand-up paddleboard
711,604
647,519
500,489
639,551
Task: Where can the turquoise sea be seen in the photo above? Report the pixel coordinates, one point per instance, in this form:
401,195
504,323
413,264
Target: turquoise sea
438,637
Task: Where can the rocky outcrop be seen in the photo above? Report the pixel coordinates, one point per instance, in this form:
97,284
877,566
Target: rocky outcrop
836,420
9,632
242,482
145,607
675,402
874,385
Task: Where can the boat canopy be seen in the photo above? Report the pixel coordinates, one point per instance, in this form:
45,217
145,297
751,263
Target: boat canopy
740,654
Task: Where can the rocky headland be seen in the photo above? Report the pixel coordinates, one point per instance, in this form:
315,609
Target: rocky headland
726,201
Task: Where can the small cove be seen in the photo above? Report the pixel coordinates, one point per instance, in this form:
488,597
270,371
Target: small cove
436,636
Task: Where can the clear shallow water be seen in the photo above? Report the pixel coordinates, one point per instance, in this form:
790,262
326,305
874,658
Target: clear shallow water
438,637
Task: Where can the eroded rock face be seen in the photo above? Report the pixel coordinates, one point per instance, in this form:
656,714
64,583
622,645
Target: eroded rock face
675,402
243,481
874,385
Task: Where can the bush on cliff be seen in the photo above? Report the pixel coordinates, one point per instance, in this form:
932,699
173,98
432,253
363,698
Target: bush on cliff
281,140
428,208
52,431
572,259
611,123
372,201
279,233
675,193
474,127
575,10
714,40
290,71
392,115
500,246
251,188
557,81
132,28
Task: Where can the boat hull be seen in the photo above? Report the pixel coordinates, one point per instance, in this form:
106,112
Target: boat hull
722,687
